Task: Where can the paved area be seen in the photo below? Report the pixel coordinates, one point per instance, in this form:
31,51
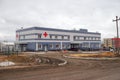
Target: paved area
76,69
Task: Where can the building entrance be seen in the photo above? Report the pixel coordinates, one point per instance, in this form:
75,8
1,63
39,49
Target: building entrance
23,47
75,47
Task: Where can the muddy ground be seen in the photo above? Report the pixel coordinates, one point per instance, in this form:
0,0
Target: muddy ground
76,69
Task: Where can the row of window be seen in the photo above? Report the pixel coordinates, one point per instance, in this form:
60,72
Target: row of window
55,37
51,46
90,45
86,38
39,36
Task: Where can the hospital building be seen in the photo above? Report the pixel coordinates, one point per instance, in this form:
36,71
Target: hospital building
47,39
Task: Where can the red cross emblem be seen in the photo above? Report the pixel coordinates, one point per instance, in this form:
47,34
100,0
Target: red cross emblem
45,34
17,36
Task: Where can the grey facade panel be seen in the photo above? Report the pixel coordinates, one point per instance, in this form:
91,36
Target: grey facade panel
31,46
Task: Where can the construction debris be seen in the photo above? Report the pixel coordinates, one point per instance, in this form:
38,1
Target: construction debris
6,63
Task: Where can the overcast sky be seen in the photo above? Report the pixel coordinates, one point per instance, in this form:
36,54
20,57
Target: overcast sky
94,15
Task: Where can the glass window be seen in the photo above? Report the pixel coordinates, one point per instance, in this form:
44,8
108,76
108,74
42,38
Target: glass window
81,38
77,37
96,38
89,38
84,38
51,46
56,37
68,37
39,35
74,37
22,37
68,46
39,46
93,38
63,46
57,46
62,37
50,37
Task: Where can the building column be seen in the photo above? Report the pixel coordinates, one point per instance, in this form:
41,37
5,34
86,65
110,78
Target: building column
89,44
1,47
61,45
36,46
99,45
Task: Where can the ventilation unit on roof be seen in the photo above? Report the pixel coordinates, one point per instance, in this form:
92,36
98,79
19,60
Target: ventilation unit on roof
83,30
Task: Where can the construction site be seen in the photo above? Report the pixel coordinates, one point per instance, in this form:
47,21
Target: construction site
60,65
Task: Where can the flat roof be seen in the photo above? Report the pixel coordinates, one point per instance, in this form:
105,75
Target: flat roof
54,29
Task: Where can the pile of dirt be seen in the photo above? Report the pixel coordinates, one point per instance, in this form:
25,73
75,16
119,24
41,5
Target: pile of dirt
2,58
15,58
40,59
107,54
34,59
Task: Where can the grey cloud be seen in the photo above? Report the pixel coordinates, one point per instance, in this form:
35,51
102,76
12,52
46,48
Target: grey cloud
95,15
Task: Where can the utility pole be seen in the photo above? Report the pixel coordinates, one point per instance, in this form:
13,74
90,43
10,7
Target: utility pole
117,45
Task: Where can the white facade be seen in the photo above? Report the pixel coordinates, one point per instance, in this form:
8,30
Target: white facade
39,35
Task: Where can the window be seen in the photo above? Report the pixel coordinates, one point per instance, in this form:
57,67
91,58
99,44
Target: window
68,46
77,38
85,45
68,37
96,38
22,37
62,37
99,39
84,38
50,37
89,38
81,38
39,46
56,37
51,46
57,46
63,46
74,37
39,36
93,38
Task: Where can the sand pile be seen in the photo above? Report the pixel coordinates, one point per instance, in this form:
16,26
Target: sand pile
105,54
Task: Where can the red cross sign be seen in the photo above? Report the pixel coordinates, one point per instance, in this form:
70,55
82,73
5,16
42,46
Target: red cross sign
17,36
45,34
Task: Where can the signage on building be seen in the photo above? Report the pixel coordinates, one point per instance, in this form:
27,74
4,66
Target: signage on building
45,34
116,42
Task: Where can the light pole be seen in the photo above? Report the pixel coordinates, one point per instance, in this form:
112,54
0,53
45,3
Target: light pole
117,45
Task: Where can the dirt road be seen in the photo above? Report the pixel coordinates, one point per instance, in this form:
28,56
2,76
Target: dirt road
75,70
